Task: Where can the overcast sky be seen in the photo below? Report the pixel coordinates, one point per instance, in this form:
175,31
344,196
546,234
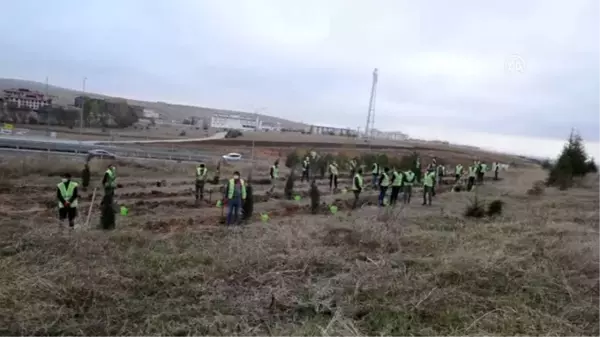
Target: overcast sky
469,71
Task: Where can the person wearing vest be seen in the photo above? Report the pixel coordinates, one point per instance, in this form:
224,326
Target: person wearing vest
109,181
375,173
384,184
482,172
305,170
274,175
428,185
472,175
66,193
201,175
417,168
409,179
353,164
457,172
496,170
357,186
236,194
397,178
333,176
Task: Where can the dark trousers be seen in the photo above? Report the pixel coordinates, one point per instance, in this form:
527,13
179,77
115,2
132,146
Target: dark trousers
470,183
407,194
382,192
496,175
333,181
427,194
304,175
456,178
233,213
69,213
480,177
394,194
356,195
374,182
200,189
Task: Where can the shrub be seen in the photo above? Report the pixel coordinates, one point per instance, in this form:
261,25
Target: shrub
475,209
292,159
572,162
536,189
495,208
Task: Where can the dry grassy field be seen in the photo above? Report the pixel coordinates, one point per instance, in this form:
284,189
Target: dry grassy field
170,268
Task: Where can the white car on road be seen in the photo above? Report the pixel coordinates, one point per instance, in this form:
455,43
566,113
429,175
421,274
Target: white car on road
232,156
102,154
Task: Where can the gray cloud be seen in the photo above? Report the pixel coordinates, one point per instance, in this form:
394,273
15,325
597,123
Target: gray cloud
441,63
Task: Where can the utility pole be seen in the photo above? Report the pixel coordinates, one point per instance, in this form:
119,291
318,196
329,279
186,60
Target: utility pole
371,114
82,106
46,98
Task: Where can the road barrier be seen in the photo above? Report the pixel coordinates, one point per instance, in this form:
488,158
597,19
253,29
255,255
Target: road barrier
84,148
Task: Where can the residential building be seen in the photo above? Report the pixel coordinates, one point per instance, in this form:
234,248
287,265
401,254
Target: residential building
234,121
22,98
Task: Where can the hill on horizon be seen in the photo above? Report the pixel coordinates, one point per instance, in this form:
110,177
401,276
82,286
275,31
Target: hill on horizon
168,111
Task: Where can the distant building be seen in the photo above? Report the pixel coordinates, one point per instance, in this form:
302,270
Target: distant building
26,99
234,121
150,114
389,135
266,126
328,130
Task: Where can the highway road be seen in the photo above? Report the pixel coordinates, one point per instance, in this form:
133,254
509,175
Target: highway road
41,144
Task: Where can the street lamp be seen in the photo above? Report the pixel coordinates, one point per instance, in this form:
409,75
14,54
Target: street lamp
82,107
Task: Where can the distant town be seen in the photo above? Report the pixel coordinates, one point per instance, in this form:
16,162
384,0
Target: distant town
25,106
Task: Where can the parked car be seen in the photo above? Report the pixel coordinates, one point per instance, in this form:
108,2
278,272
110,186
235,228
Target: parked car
101,154
232,156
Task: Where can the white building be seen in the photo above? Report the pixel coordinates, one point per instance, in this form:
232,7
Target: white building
237,122
390,135
26,99
150,114
266,126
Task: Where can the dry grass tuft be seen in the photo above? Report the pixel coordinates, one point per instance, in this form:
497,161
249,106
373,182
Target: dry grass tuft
537,188
415,271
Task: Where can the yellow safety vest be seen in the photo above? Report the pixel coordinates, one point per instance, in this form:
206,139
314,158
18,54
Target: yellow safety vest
67,193
397,179
375,169
201,173
472,171
360,182
409,176
333,169
386,180
231,188
458,169
111,182
275,171
428,179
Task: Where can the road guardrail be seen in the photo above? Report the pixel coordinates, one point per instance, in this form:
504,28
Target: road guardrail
83,148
